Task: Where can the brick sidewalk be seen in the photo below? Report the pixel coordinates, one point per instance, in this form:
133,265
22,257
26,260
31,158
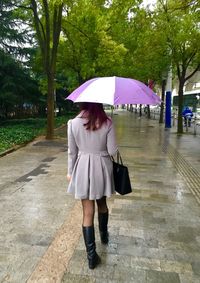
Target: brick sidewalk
154,232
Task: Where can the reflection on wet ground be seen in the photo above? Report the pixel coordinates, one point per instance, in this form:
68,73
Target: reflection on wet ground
154,231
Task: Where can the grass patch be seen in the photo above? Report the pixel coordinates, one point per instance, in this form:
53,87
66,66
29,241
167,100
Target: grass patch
17,132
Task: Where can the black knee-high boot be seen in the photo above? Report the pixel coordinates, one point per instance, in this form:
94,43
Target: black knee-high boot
89,238
103,227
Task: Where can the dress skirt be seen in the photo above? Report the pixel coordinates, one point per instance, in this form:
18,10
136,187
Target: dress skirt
92,176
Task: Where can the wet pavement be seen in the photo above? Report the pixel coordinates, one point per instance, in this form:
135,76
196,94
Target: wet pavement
154,231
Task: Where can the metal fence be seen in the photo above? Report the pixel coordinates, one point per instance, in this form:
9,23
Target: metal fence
193,127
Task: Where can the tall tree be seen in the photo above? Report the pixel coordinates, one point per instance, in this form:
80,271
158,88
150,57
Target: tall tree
11,35
147,53
47,18
180,23
17,88
15,77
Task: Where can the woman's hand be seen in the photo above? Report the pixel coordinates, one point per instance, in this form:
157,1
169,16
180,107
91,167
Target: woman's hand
69,177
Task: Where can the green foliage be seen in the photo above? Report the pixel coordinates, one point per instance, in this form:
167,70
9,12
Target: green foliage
13,32
179,22
120,38
16,132
16,86
87,50
151,57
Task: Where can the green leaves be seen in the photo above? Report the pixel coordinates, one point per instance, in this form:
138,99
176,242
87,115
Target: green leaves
16,86
87,48
179,21
16,132
12,32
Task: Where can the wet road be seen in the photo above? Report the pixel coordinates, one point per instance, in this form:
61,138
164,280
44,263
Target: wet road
154,232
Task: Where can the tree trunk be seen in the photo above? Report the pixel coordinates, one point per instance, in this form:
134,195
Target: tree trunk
148,112
162,101
50,107
48,34
140,113
180,106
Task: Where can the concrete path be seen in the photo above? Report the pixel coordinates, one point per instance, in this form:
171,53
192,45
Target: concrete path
154,231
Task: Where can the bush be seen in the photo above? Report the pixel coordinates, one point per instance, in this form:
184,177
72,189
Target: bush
17,132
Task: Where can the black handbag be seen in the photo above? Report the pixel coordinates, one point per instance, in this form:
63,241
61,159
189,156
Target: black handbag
121,176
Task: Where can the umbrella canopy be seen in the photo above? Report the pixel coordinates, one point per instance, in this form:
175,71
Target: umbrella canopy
114,91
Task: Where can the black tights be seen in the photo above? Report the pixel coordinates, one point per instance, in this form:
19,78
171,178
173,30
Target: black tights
89,210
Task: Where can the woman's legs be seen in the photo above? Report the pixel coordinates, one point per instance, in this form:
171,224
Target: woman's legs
88,233
88,212
103,219
102,205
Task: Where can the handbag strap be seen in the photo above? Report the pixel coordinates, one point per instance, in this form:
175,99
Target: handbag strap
119,158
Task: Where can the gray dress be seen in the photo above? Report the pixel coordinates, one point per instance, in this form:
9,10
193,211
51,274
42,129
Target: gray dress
89,161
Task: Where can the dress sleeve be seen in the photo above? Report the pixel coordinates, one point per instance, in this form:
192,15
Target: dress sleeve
72,148
111,140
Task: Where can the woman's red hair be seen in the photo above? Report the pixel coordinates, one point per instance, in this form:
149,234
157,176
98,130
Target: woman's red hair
95,114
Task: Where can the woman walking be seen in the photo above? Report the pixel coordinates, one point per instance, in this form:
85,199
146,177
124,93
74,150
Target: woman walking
91,141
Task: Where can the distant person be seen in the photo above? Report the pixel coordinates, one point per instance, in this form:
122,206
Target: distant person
91,141
187,114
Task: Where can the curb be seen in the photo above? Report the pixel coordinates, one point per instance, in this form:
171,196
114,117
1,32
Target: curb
16,147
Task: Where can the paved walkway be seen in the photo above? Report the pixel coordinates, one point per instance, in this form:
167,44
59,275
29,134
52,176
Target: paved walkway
154,232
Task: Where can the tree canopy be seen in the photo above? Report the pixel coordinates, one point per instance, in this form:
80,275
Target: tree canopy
180,22
59,44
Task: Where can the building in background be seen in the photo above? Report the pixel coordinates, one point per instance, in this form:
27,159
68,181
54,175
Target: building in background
191,93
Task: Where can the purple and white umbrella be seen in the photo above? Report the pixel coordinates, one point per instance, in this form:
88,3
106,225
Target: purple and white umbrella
114,91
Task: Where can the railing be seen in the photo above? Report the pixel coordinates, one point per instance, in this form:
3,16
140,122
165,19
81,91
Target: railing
192,126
